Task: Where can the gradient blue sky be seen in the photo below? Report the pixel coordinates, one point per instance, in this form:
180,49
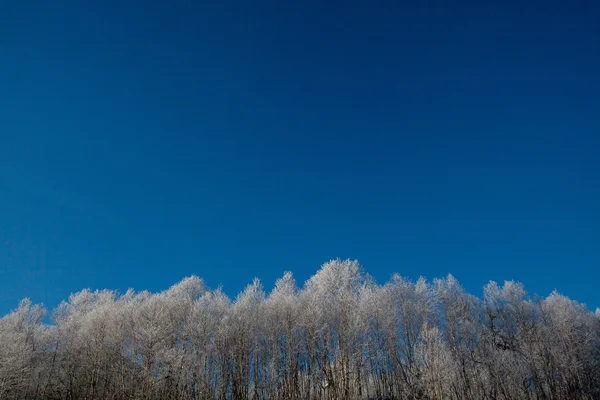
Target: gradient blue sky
141,142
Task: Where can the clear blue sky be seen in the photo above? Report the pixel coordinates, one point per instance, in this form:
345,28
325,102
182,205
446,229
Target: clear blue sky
141,142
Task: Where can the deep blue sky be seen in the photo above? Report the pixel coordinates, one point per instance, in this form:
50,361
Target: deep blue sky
141,143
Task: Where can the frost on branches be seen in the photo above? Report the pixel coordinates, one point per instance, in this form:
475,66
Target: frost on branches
341,336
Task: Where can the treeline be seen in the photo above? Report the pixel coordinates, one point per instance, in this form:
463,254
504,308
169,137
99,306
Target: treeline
341,336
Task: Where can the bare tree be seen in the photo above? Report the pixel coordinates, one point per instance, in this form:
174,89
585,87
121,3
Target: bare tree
341,336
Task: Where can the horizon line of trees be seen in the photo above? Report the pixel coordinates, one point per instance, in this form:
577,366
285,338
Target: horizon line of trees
341,336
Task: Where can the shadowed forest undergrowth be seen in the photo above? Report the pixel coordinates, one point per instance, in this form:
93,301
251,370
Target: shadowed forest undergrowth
341,336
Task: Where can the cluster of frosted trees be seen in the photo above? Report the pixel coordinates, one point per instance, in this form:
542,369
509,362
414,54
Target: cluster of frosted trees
341,336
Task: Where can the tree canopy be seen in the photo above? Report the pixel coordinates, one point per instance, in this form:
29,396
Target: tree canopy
340,336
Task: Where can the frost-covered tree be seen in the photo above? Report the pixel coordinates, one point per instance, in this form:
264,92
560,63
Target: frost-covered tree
283,339
24,343
340,336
